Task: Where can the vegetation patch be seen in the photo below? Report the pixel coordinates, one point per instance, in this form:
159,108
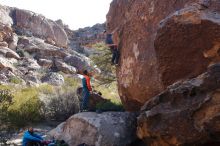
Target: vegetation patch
15,80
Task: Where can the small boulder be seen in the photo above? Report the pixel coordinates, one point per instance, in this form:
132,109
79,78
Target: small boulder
62,66
3,44
50,41
95,98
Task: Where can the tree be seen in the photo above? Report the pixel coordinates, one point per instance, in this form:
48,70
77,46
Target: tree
102,58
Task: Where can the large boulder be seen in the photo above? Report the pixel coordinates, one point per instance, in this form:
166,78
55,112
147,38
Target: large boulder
106,129
81,63
30,23
187,113
162,42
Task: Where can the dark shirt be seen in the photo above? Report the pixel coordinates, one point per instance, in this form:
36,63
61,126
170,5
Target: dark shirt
108,39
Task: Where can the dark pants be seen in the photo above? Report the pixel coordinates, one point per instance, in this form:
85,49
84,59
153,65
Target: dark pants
85,99
32,143
115,55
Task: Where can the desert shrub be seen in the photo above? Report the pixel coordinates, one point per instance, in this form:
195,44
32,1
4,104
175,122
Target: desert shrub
103,61
109,106
6,87
23,53
5,101
25,108
61,105
46,89
15,80
71,82
110,92
20,52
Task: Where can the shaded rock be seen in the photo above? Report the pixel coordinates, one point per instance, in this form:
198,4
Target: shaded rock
39,26
187,113
94,99
62,66
24,41
3,78
45,63
53,79
106,129
156,38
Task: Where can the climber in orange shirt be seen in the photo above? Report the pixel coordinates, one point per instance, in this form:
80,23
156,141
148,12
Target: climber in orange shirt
86,90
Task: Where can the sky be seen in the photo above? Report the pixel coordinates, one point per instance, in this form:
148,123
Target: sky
75,13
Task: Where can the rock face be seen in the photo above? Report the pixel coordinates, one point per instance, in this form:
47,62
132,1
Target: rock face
85,36
187,113
33,24
107,129
162,42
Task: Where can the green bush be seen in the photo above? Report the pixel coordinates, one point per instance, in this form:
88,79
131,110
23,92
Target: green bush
109,106
15,80
103,60
46,89
25,108
62,105
5,101
72,82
